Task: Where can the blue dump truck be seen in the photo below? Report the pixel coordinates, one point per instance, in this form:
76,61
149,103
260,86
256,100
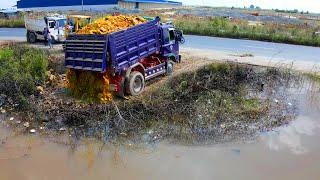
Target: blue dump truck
129,57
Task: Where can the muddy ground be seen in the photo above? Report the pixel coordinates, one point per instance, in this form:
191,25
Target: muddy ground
203,102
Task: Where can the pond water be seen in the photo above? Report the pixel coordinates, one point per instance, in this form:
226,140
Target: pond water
289,152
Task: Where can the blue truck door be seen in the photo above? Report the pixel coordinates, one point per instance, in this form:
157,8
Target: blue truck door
170,46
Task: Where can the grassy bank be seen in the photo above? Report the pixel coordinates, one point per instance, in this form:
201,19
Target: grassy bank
22,69
12,23
220,27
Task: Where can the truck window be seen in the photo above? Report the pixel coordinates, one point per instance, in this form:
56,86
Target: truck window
52,24
172,36
166,35
62,22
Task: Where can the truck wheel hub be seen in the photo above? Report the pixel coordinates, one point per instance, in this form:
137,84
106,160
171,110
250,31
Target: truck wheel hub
137,85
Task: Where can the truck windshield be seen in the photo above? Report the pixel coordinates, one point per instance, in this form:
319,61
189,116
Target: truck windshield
62,22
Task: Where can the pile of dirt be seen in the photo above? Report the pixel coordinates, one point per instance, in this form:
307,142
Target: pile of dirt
109,24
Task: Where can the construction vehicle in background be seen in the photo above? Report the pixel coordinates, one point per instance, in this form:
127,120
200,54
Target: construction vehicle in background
60,26
36,24
128,57
75,22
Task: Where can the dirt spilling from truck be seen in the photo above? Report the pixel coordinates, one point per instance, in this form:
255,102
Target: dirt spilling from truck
87,85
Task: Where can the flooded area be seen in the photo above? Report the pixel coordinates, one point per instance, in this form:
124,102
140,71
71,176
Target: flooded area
288,152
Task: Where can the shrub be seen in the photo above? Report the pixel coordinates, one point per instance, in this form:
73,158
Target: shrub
12,23
21,70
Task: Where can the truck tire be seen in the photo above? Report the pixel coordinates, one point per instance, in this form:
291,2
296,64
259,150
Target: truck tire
170,68
32,38
27,36
136,84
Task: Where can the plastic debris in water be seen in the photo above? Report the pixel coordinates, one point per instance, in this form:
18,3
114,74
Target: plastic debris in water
32,130
3,111
26,124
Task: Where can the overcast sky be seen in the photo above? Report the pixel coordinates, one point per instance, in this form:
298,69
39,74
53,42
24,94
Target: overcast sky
305,5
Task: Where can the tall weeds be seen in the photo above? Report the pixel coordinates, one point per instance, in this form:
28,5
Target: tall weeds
220,27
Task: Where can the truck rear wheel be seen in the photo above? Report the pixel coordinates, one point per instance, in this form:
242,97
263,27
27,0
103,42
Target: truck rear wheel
31,37
136,84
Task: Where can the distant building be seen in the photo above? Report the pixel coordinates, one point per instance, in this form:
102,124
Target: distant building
9,13
51,5
148,4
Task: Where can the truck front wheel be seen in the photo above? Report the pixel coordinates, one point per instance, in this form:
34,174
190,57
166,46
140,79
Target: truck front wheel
136,84
31,37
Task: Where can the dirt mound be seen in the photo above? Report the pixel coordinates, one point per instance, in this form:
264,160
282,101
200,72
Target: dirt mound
216,103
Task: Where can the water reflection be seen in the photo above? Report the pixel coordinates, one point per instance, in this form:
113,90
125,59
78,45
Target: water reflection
307,124
291,137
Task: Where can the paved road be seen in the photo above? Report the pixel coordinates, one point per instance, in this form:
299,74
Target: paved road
17,34
257,48
232,46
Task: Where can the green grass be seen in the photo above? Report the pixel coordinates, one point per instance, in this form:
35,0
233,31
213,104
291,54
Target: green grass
12,23
220,27
314,76
21,70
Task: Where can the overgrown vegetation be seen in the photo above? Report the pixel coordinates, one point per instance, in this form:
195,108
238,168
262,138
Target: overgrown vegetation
221,27
215,103
22,69
12,23
314,76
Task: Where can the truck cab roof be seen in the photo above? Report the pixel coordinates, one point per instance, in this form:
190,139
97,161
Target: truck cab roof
55,18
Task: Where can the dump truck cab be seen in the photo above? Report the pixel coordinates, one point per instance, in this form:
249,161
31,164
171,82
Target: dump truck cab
170,43
56,27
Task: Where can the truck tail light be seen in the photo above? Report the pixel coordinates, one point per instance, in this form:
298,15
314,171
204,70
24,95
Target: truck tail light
114,88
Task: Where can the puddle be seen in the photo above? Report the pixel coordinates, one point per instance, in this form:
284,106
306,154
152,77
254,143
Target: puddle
289,152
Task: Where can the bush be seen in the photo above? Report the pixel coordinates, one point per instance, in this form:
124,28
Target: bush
21,70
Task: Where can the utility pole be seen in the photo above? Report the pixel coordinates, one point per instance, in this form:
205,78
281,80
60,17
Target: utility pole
82,4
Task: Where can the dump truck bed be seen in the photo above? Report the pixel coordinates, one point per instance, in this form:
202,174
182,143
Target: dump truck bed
119,50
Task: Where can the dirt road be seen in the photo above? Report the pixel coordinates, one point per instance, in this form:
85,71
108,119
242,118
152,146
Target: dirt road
305,66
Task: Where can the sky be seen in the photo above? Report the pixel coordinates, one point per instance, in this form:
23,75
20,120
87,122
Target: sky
304,5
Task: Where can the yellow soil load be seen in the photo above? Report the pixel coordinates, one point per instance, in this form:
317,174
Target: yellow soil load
89,85
94,86
109,24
